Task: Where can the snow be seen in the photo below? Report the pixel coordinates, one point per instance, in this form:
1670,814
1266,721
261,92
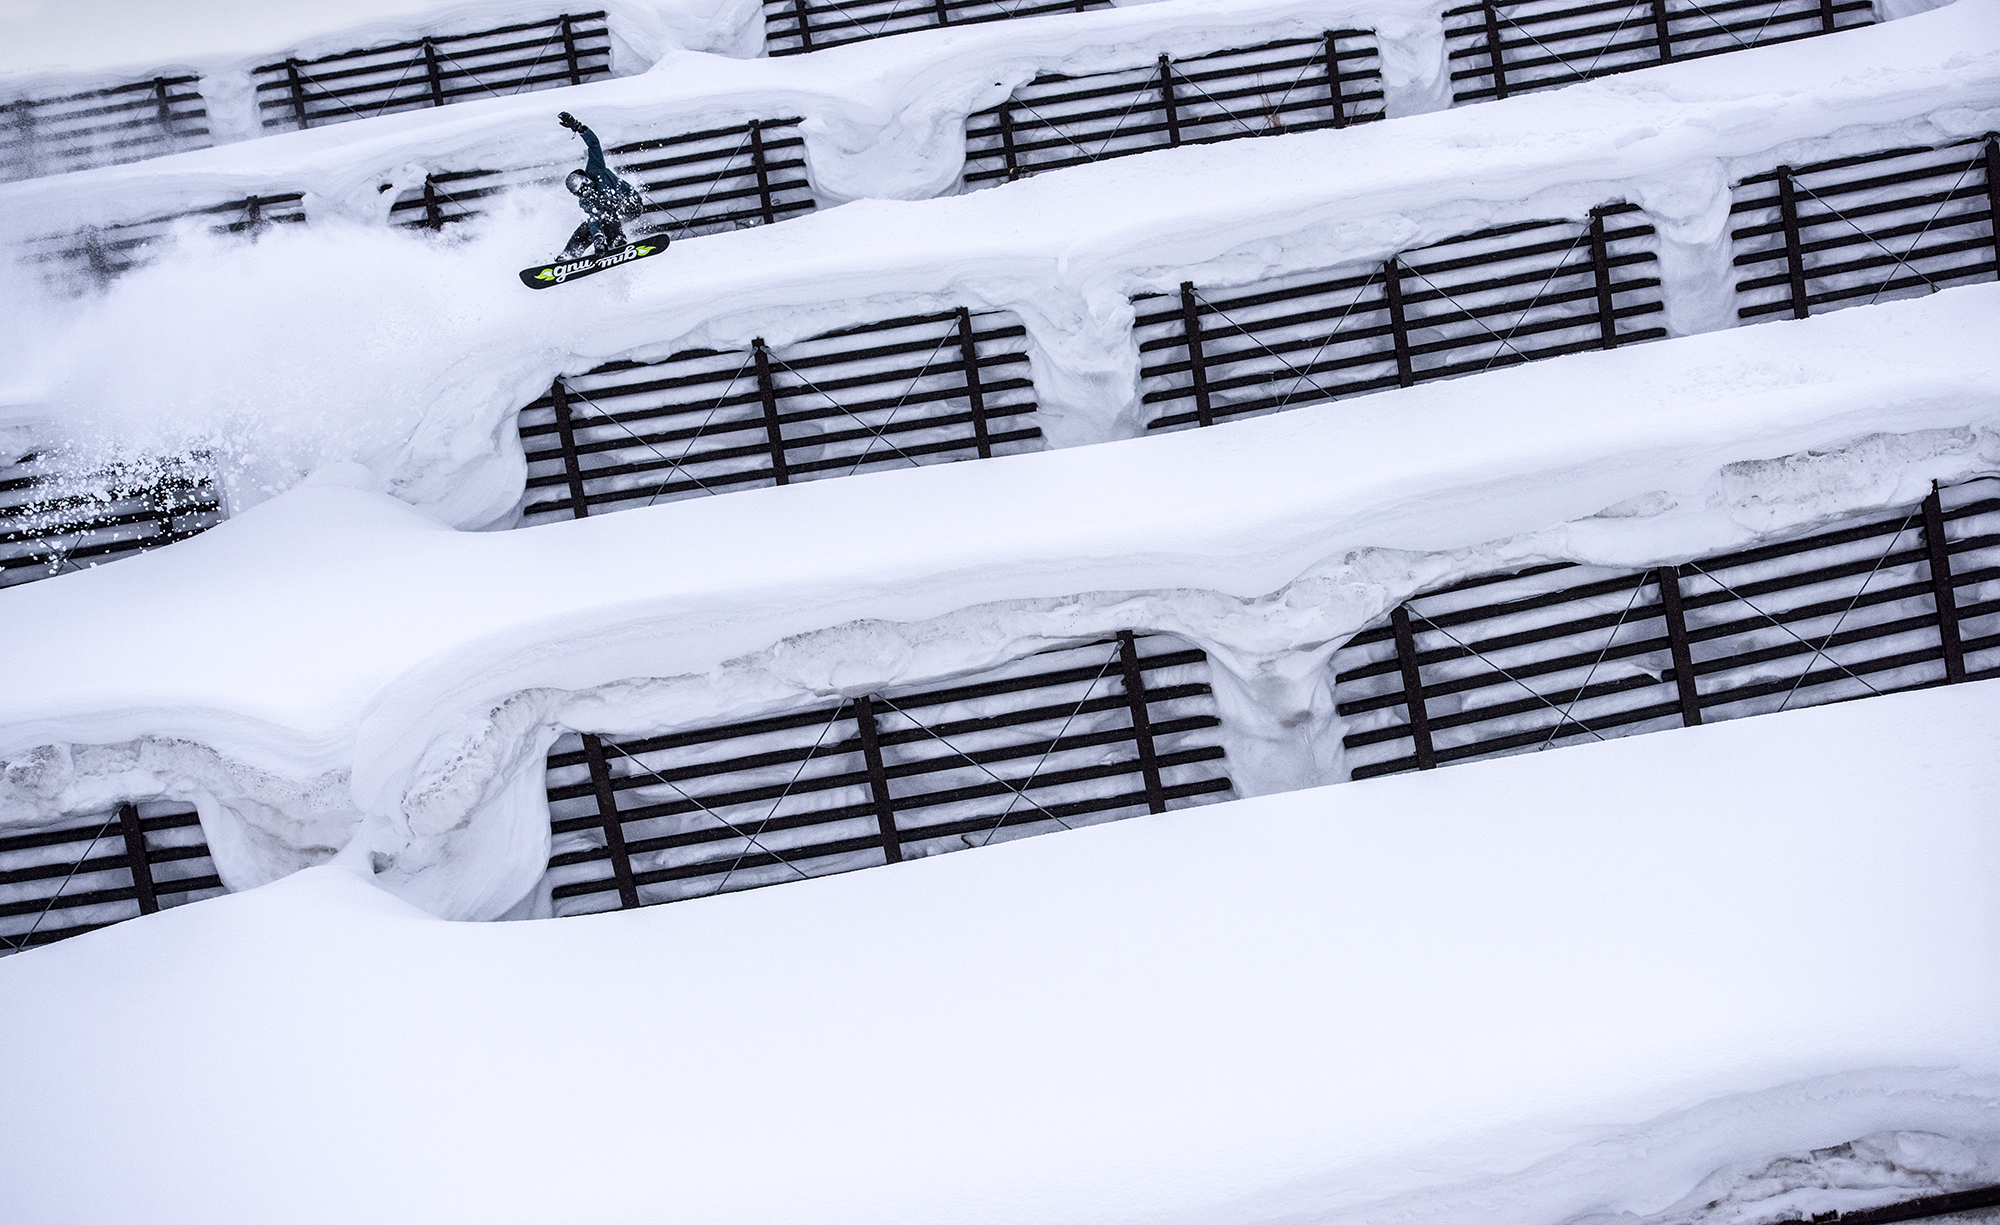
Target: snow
1513,992
230,347
334,642
338,659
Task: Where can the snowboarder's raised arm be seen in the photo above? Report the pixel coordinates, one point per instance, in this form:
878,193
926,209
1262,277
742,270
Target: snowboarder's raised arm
595,167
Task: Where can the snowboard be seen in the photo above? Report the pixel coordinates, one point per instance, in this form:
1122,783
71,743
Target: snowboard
545,275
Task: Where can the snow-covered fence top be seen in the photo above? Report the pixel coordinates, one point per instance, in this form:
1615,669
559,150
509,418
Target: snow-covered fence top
1501,49
435,70
1292,85
793,27
1472,303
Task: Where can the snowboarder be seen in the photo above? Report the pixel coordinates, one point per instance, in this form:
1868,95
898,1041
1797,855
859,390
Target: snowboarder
607,200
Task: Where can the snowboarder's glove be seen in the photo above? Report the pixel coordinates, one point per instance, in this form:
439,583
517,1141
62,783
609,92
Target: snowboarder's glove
569,121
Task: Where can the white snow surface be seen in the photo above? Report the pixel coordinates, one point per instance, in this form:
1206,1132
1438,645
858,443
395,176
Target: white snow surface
1645,976
343,340
335,660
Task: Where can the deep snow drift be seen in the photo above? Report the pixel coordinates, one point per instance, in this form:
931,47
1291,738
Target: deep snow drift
1425,999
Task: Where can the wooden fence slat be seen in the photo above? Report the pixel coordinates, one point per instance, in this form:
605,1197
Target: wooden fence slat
1600,262
1413,688
968,355
1795,265
1669,580
878,779
136,856
1197,365
610,822
1142,727
1495,57
1939,559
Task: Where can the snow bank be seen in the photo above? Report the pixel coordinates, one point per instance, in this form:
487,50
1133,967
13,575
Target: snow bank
221,330
336,630
1439,998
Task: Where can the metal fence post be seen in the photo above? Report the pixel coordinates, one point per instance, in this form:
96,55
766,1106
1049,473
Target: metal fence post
763,170
1493,53
1413,687
166,112
1399,327
1938,549
296,81
1795,256
1197,365
1675,613
579,504
774,433
135,855
1993,192
1600,259
878,779
943,13
1007,141
1142,723
975,394
569,50
163,511
1333,82
24,123
1167,101
1827,19
96,256
433,215
436,75
1663,38
614,829
805,30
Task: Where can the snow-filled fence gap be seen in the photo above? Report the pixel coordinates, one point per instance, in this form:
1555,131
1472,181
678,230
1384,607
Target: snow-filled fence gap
890,394
1497,50
1067,737
134,860
794,27
101,127
1295,85
1477,302
1566,654
435,70
96,254
1881,226
53,521
747,174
